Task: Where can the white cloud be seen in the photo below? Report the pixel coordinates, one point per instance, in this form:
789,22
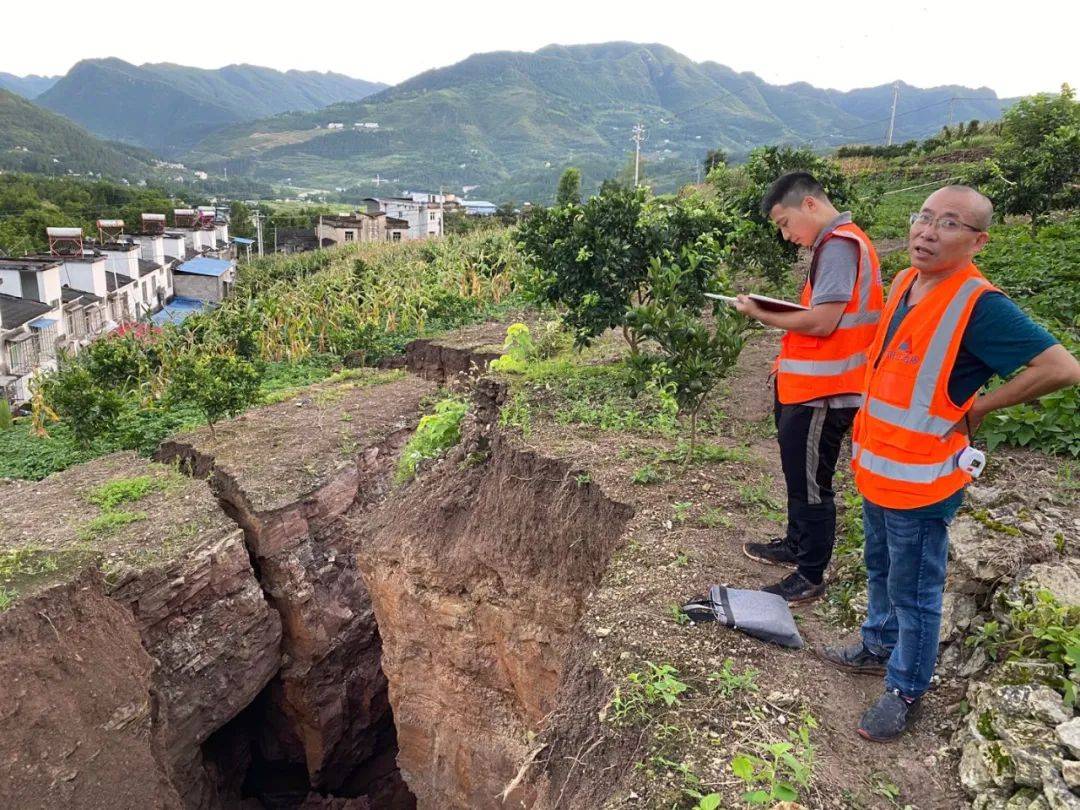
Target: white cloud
1012,49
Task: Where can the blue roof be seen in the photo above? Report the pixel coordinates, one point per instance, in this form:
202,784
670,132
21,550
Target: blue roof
43,323
478,204
243,240
202,266
176,310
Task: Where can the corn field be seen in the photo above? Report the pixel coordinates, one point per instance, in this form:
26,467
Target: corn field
356,297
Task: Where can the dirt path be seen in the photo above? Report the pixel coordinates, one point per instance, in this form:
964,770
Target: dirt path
686,534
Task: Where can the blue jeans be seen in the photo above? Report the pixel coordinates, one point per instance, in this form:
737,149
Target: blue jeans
905,573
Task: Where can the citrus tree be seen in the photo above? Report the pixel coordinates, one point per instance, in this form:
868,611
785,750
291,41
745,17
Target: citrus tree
593,259
690,357
1035,166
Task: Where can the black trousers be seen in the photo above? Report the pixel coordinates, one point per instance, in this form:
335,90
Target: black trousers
809,447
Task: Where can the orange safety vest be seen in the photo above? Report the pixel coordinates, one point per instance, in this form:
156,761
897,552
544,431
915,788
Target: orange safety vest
904,447
811,367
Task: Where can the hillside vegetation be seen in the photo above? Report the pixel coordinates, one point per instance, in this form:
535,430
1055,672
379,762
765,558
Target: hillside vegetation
36,140
167,107
510,122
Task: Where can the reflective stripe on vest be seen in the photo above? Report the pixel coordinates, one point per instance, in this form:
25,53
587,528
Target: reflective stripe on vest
823,368
813,368
915,473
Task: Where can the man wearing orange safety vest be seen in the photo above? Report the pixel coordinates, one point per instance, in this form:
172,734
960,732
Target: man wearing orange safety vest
944,333
819,373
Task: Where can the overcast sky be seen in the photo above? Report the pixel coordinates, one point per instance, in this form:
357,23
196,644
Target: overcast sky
1014,49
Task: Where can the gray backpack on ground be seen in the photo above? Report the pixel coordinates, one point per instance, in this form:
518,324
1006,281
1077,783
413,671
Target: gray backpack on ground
759,614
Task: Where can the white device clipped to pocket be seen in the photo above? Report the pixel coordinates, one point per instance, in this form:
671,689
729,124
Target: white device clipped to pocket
971,461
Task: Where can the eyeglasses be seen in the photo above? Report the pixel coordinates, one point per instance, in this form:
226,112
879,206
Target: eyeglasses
946,224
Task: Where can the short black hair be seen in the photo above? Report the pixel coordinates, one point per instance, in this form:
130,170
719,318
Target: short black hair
790,189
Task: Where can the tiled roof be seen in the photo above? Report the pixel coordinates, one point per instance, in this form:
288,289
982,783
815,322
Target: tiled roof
115,281
15,311
146,267
70,296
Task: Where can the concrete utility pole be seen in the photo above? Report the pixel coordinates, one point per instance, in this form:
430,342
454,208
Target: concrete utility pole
892,115
952,101
638,137
258,231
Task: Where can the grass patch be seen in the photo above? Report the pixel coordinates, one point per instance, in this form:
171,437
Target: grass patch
123,490
107,523
573,392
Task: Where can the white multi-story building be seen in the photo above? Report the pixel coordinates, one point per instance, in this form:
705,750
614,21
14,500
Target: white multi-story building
32,326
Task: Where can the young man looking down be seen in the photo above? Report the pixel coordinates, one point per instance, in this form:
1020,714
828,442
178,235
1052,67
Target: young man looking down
819,372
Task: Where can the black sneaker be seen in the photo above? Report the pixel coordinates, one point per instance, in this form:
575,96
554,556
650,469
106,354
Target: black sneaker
854,658
775,552
796,588
888,718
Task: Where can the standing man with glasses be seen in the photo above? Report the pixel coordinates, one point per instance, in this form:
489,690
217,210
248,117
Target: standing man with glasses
819,373
944,333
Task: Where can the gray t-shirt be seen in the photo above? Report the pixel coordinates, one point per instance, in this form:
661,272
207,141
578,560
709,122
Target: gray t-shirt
835,270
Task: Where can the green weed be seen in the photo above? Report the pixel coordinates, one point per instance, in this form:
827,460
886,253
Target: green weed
659,686
848,582
775,772
759,496
712,518
24,563
681,511
646,475
436,433
727,681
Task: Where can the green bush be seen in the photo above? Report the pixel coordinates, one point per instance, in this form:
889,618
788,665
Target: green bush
692,358
593,259
436,433
217,385
1041,273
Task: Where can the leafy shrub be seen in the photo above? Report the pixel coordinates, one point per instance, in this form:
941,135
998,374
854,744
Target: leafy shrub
1037,626
436,433
593,259
1037,161
1040,272
88,406
518,350
692,359
218,385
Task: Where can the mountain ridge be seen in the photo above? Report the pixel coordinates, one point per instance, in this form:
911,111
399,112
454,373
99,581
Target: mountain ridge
509,121
167,107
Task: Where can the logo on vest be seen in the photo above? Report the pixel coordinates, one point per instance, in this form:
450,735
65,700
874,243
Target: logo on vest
903,354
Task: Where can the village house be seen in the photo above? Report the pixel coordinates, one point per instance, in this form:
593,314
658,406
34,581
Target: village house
360,226
479,208
31,323
204,279
293,240
424,219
